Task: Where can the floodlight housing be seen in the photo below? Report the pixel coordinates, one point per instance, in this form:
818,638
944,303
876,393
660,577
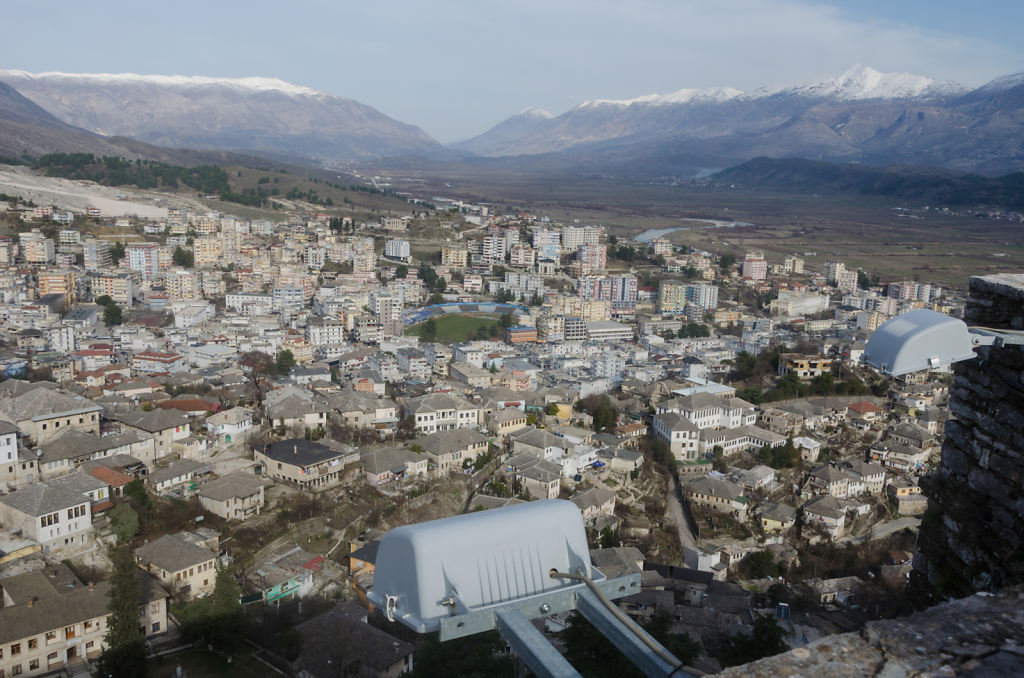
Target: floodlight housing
919,340
432,571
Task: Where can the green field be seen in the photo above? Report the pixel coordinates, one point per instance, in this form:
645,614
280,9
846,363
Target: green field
454,328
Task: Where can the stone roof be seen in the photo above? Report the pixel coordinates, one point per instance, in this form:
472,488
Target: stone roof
339,641
72,603
179,468
594,496
233,485
22,401
388,459
443,442
715,487
73,442
433,402
674,421
171,553
153,421
826,505
79,481
39,499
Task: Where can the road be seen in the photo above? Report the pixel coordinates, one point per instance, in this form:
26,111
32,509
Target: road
674,510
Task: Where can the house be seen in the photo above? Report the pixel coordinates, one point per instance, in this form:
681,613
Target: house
777,518
871,475
803,366
115,480
287,572
865,411
832,481
51,621
470,375
155,362
179,478
507,421
595,502
41,410
538,477
718,494
339,642
72,448
756,478
911,435
392,464
190,404
809,448
164,426
449,450
294,413
57,519
826,512
899,457
906,496
18,466
230,426
235,496
180,564
441,412
365,410
706,410
842,591
83,483
309,465
681,435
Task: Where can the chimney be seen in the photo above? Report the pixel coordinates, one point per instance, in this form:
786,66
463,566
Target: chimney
90,586
31,600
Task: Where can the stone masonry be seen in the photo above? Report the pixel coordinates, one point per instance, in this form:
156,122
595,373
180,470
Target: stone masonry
972,536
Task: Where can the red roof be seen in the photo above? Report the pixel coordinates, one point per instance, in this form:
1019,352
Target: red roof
102,506
314,564
110,476
863,407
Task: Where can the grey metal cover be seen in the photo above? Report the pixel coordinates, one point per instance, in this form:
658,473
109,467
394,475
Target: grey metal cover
918,340
432,570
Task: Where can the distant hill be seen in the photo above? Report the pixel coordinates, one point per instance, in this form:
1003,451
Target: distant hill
255,116
861,115
922,185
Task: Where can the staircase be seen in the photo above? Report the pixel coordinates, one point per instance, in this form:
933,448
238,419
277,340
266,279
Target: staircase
78,668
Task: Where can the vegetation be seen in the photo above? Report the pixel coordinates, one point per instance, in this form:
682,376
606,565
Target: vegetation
125,651
765,640
113,171
453,328
478,656
594,657
217,619
183,257
285,362
124,522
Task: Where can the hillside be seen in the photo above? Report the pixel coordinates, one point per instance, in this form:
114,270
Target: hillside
922,186
259,116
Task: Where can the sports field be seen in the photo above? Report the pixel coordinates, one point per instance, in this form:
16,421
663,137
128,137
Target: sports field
453,328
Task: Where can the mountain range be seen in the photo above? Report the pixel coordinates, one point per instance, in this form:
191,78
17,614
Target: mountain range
260,116
860,116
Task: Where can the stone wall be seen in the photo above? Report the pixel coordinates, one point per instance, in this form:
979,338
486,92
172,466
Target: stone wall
981,635
972,536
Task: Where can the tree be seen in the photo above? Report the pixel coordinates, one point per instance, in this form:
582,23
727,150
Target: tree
183,257
429,330
256,365
605,416
506,321
228,632
124,521
104,300
765,641
552,409
125,651
117,253
401,271
725,261
112,314
285,362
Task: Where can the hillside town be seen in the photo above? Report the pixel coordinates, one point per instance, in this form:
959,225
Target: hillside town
259,401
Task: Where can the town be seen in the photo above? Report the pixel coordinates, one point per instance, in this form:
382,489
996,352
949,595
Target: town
242,407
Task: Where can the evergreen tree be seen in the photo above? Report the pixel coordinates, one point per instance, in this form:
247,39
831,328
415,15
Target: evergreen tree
285,361
125,652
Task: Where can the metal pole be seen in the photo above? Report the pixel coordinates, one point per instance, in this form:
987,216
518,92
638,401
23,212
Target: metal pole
528,643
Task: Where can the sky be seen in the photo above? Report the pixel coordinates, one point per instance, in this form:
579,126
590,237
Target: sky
457,67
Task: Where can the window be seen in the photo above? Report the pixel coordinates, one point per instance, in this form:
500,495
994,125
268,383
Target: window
33,665
69,631
156,627
88,626
51,635
154,607
15,649
16,670
52,657
89,645
33,643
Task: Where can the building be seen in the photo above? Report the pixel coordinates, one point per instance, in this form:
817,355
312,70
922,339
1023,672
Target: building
754,266
154,362
36,248
179,563
449,451
42,410
718,494
339,642
304,463
52,622
834,269
397,250
682,435
57,519
118,286
236,496
144,257
441,412
592,257
804,366
392,465
58,282
454,256
671,296
231,425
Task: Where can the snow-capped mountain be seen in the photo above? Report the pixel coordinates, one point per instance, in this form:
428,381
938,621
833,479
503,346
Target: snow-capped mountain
862,115
258,115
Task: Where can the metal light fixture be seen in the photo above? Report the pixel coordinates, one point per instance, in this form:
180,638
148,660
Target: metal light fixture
927,340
